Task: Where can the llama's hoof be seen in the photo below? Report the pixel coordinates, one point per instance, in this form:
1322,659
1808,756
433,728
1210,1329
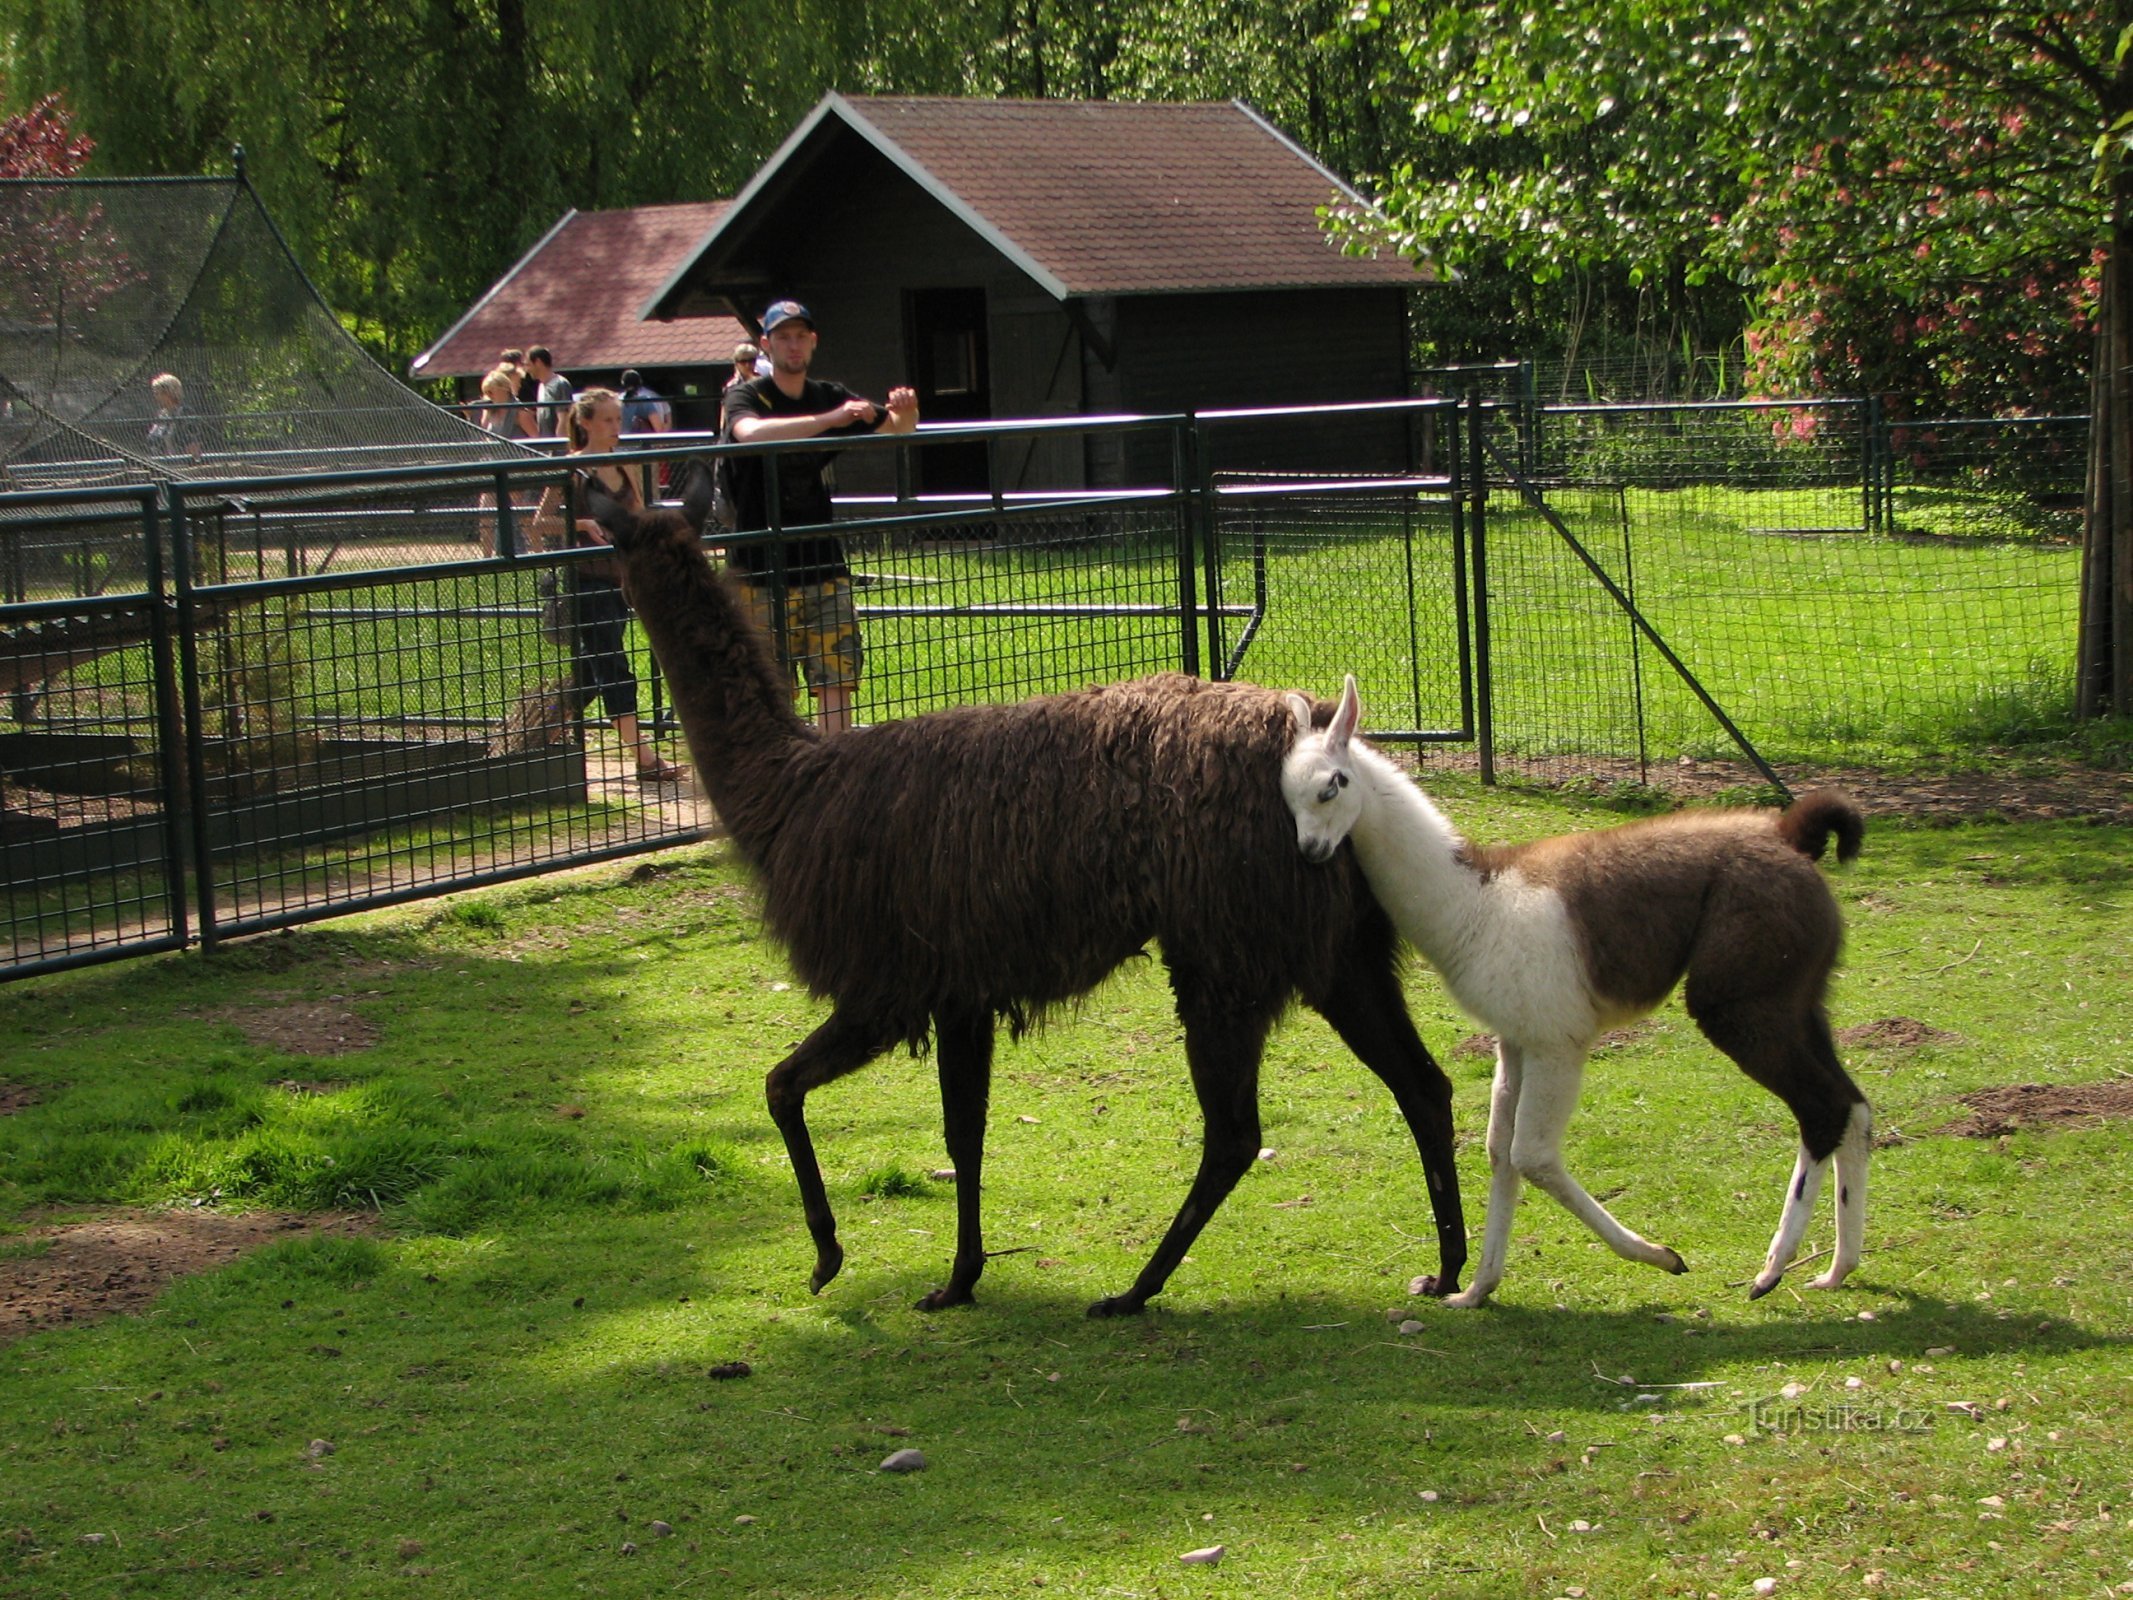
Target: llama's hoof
1467,1299
1118,1305
1831,1279
1763,1286
1672,1262
948,1295
828,1263
1433,1286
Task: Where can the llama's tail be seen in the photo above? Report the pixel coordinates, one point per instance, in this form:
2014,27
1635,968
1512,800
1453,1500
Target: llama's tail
1809,821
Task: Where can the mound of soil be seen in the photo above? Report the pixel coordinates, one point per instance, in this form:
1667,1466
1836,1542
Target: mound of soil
99,1269
301,1028
2046,1105
1895,1033
1484,1044
14,1097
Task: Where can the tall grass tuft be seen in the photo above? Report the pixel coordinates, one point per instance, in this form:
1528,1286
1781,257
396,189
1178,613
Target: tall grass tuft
894,1182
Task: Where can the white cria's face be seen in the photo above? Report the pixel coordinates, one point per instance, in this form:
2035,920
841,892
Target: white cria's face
1317,782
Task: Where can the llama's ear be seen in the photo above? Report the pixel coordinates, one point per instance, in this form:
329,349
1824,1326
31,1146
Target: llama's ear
617,518
693,479
1300,709
1346,716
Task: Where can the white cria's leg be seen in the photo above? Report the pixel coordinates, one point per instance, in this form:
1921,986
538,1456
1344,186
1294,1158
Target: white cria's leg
1851,1158
1548,1098
1503,1179
1800,1195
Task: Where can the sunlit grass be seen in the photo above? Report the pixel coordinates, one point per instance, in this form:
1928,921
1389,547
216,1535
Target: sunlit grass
515,1372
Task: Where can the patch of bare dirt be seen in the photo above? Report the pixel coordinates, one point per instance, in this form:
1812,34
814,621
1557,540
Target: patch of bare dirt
15,1097
301,1027
2037,792
2042,1105
1895,1033
88,1270
1484,1044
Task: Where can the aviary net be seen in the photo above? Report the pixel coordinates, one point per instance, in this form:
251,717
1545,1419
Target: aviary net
107,285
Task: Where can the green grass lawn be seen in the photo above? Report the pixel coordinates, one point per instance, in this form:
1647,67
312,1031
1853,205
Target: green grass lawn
514,1372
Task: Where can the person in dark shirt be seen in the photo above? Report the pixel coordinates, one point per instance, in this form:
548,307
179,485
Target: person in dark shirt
644,409
821,633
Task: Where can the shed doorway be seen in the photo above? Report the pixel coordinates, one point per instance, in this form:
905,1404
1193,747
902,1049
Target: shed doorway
951,369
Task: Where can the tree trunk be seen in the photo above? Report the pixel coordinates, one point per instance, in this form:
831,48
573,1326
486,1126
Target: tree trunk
2103,684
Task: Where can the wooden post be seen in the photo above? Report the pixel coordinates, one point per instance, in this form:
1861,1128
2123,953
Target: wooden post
2104,666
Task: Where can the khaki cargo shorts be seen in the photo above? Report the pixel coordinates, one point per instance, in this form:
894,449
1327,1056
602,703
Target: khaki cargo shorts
821,630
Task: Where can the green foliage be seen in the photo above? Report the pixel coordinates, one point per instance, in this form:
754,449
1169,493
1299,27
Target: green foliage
1902,199
413,155
1900,190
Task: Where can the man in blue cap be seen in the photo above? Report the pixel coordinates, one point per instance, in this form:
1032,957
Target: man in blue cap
821,634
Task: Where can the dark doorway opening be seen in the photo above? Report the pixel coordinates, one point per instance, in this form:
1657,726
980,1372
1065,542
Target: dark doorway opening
952,370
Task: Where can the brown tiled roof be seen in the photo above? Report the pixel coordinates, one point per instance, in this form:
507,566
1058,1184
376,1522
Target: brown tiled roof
1111,197
578,292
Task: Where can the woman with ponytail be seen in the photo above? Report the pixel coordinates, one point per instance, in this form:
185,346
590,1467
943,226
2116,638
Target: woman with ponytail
593,426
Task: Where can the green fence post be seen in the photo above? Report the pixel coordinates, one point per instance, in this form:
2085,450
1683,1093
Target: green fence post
181,564
1477,530
1188,485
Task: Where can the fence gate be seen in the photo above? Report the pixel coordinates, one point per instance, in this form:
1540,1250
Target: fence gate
1565,647
1310,577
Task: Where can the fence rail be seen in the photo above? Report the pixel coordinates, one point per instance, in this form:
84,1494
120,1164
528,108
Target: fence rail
228,707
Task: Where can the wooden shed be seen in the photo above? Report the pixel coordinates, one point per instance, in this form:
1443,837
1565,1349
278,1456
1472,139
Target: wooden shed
1049,258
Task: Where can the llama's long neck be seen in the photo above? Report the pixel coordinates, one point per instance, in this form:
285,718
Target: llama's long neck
1415,861
734,704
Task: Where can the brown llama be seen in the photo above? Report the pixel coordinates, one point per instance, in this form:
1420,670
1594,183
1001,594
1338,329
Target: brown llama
931,876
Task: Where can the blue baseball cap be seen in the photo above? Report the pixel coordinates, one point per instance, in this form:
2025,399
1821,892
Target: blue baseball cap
784,311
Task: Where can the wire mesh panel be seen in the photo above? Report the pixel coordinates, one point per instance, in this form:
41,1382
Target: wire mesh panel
1316,578
299,528
1563,689
2009,479
109,285
88,838
1031,598
370,731
1749,538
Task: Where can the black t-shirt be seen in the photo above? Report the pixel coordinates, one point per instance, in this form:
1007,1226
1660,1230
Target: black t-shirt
803,495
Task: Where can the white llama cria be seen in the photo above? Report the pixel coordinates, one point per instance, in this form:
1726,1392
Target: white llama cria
1550,944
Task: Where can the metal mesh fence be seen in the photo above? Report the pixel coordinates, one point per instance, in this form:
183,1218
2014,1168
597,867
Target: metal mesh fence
1315,578
386,686
88,853
1844,598
233,705
1031,598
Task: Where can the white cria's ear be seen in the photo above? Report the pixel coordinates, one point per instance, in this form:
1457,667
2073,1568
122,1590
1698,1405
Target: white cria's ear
1300,709
1347,717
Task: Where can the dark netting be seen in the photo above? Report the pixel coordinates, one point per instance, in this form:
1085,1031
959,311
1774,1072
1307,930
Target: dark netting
105,285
